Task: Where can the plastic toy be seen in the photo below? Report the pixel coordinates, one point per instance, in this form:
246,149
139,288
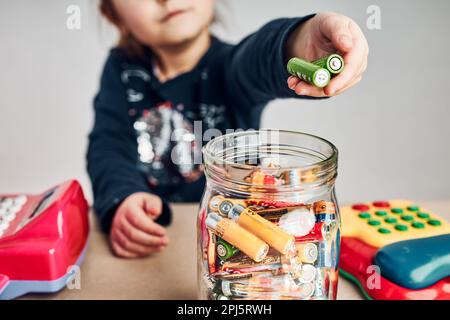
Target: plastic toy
409,244
43,239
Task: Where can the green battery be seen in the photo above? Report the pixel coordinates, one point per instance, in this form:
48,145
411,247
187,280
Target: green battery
309,72
333,63
225,250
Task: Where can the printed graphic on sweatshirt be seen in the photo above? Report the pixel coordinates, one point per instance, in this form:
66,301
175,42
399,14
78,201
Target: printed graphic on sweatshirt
134,78
166,146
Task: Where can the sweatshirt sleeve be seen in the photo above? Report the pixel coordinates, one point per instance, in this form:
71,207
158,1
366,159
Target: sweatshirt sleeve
256,72
112,151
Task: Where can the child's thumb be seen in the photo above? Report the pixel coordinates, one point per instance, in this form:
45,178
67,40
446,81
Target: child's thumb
153,205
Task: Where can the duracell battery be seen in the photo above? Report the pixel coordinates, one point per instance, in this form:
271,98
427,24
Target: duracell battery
231,232
276,237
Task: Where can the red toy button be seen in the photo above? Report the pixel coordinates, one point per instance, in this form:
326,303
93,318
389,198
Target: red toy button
360,207
381,204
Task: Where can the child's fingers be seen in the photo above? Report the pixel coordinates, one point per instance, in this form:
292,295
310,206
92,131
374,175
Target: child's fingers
351,71
292,82
336,28
140,237
153,205
306,89
130,246
121,252
138,218
355,65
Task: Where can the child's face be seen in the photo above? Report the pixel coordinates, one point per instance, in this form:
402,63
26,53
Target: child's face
159,23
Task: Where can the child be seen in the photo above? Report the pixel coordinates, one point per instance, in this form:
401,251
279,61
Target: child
169,72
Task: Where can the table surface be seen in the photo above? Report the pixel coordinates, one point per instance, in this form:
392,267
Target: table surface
170,275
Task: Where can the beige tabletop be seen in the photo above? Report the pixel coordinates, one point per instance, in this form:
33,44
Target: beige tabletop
170,275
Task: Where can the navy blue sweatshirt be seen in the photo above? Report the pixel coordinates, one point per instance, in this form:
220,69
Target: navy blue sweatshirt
143,128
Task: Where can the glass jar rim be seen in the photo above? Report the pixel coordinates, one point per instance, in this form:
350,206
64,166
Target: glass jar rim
325,166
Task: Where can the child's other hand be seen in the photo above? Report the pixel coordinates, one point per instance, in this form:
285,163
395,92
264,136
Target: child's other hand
134,233
324,34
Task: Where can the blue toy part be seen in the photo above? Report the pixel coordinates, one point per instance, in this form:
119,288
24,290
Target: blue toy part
415,264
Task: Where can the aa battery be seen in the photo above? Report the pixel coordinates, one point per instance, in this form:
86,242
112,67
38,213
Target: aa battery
231,232
274,214
211,252
307,252
334,63
225,250
309,72
224,205
214,203
271,262
324,258
257,287
307,274
276,237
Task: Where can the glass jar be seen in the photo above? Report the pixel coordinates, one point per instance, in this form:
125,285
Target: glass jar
268,224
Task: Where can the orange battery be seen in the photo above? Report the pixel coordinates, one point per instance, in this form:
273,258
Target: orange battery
211,252
276,237
231,232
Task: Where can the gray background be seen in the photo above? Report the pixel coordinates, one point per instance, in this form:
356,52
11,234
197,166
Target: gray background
392,130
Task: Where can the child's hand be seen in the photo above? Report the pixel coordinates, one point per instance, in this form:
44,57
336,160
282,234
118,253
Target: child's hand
324,34
134,232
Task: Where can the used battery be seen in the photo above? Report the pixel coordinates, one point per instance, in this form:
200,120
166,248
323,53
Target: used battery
334,63
307,252
225,250
231,232
309,72
324,257
273,235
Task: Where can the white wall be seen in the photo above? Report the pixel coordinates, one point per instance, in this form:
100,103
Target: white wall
392,130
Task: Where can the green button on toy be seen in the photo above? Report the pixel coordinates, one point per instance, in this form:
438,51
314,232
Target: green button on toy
434,222
401,227
423,215
407,218
384,231
364,215
412,208
390,220
418,225
397,210
381,213
374,222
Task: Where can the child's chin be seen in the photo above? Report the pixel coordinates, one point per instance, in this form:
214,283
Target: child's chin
181,34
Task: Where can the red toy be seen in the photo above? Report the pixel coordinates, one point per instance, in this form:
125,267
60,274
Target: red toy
42,239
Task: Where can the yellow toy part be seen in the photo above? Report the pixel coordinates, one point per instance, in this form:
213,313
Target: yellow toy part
384,222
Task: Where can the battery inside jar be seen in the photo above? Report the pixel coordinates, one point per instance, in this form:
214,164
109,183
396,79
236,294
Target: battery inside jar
290,186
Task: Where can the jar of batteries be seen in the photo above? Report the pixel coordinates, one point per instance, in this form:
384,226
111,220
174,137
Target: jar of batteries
268,223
